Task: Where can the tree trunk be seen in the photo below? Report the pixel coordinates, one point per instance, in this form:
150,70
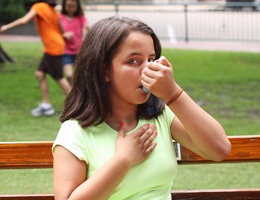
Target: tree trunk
4,58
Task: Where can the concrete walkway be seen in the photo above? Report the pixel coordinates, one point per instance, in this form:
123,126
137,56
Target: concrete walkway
194,45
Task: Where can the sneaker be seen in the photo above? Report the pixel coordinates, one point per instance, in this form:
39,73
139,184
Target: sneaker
39,111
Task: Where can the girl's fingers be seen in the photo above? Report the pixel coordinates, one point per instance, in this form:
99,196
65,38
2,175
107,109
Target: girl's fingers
150,148
122,130
150,140
147,133
162,60
151,68
146,79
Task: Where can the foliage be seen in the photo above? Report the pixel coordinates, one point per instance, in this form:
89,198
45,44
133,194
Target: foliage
10,10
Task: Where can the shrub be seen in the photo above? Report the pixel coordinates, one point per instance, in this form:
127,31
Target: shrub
11,10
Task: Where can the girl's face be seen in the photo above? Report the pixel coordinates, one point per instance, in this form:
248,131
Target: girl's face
124,81
71,7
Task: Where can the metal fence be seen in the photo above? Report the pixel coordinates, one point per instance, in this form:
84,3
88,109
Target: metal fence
191,22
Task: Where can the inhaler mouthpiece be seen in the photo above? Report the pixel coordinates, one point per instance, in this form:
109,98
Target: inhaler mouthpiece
144,89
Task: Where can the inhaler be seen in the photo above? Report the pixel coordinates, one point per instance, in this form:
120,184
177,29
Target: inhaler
153,108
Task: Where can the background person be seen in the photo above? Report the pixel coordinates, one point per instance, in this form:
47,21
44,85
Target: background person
50,30
73,20
108,147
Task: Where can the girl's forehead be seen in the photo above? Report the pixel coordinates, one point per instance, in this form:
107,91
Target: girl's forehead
137,41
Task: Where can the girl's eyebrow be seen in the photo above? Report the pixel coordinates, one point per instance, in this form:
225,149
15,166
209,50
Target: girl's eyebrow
138,54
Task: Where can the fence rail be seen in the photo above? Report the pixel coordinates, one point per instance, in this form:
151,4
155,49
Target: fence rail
235,22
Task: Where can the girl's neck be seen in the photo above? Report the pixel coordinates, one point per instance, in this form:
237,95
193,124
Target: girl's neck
127,116
69,17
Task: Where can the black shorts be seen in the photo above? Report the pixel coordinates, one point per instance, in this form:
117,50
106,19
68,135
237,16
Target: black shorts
51,65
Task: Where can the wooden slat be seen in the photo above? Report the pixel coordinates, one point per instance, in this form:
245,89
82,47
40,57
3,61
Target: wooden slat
26,155
27,197
15,155
234,194
243,149
230,194
38,155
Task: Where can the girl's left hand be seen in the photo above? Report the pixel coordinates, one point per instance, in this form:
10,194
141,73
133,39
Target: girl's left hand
158,78
3,28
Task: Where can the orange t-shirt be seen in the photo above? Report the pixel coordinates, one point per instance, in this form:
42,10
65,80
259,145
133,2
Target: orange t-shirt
47,25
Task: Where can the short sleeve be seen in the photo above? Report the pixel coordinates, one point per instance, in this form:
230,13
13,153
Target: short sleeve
70,136
169,115
84,20
35,7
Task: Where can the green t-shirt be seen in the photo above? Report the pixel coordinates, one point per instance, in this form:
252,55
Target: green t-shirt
151,179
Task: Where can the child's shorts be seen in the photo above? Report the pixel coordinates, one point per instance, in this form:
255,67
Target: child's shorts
69,59
52,65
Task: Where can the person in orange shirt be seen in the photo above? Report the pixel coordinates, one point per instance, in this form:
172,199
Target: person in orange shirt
51,32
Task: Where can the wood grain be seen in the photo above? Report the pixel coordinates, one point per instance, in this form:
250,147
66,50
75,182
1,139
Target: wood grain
24,155
243,149
15,155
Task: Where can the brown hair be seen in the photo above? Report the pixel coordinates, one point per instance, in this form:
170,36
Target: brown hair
89,99
79,11
50,2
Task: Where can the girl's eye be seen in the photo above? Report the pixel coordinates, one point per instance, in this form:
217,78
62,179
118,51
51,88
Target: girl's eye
150,60
133,61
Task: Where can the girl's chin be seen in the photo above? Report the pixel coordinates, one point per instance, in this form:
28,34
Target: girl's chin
145,98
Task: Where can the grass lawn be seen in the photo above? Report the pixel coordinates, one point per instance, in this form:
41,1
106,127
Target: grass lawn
225,84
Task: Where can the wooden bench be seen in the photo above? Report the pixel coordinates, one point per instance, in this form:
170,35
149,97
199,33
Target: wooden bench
27,155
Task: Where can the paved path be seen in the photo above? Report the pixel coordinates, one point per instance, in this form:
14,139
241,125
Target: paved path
206,46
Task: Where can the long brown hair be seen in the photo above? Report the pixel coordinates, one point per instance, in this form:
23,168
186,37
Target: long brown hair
89,101
50,2
79,11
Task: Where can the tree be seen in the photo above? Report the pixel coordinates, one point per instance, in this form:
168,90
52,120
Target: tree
4,58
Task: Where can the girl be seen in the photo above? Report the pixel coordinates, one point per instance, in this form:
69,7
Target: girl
73,20
108,146
50,30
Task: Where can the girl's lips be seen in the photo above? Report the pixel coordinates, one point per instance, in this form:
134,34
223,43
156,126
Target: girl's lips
141,87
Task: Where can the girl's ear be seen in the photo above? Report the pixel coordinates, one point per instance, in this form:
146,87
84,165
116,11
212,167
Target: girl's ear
107,79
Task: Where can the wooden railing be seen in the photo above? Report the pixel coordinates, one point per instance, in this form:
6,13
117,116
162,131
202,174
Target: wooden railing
28,155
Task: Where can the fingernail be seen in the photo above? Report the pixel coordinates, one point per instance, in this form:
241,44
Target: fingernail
148,125
155,144
154,126
155,133
156,61
122,124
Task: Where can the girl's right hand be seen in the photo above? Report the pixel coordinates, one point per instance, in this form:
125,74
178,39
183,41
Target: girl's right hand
158,78
137,146
68,35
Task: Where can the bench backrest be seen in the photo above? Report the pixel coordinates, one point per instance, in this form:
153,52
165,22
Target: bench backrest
24,155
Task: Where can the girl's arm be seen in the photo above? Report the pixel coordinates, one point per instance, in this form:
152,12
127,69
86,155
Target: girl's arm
196,130
67,35
61,26
70,173
21,21
86,27
192,127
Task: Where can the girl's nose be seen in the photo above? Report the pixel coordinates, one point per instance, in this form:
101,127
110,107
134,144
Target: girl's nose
145,64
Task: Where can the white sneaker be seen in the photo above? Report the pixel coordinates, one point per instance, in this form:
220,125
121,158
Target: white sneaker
39,111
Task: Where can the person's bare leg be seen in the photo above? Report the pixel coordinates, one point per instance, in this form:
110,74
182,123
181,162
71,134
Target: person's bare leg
45,108
65,85
43,86
68,68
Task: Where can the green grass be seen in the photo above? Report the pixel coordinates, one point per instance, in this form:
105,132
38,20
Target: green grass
225,84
